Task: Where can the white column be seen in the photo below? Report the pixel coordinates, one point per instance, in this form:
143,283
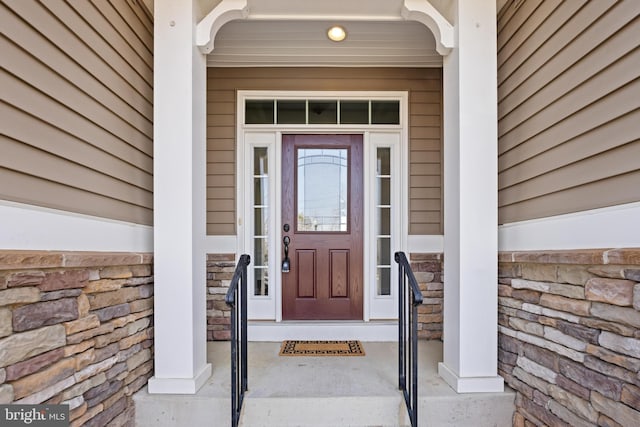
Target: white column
470,208
179,201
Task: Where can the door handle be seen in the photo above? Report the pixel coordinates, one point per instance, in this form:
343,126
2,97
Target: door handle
286,262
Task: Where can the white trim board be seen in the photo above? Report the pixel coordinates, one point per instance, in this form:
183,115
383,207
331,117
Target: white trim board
336,330
28,227
221,244
418,243
215,244
270,136
611,227
159,385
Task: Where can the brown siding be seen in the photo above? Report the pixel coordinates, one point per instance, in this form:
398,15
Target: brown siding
425,94
569,110
77,85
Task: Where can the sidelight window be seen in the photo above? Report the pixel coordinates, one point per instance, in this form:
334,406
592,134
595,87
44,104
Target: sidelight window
383,220
261,208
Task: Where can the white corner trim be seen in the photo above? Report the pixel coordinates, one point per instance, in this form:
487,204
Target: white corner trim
611,227
180,385
27,227
425,243
470,384
225,11
422,11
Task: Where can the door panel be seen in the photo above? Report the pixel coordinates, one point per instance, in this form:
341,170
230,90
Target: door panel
339,273
322,199
306,269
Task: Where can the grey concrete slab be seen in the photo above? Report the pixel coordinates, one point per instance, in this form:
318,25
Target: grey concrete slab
325,391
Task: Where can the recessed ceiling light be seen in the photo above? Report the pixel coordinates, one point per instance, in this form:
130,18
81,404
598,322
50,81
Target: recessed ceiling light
336,33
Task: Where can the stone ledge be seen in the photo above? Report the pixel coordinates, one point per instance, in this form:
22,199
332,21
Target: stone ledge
627,256
21,260
426,256
221,257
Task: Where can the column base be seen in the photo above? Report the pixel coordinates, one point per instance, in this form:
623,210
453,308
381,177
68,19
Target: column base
180,385
470,384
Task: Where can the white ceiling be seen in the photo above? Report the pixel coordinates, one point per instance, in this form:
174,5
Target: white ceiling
305,43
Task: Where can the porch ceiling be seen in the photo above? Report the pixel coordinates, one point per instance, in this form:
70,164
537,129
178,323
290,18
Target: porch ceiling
289,33
262,43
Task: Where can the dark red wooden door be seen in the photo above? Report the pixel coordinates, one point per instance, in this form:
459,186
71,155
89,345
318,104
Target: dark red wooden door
322,199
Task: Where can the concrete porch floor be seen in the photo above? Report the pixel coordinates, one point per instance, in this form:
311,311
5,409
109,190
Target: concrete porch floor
325,391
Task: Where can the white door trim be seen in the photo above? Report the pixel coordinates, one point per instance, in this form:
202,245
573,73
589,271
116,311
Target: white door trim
249,136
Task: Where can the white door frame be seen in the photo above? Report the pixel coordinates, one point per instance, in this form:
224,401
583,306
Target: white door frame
376,309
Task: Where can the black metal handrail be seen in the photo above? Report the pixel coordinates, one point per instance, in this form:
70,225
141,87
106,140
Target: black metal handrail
409,298
236,298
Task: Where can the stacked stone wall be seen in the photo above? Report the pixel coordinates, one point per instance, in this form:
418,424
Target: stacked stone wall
569,336
427,267
220,268
76,328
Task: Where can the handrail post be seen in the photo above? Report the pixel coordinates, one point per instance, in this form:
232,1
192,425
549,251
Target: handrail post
243,326
414,362
409,297
238,291
401,321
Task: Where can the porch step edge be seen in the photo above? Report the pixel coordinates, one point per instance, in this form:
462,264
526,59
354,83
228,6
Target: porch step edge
353,411
467,410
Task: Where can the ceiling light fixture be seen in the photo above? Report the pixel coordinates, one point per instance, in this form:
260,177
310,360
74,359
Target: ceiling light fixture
336,33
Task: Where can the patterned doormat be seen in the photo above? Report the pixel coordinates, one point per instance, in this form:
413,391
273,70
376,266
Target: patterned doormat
321,348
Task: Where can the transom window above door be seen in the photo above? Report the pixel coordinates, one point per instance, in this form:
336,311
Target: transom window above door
321,112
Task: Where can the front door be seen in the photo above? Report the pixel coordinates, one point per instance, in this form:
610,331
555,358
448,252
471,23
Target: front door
322,221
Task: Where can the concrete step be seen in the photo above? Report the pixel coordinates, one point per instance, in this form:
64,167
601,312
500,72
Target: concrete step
204,409
325,391
467,410
471,410
324,411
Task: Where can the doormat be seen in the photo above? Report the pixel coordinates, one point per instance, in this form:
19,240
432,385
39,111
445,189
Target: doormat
321,348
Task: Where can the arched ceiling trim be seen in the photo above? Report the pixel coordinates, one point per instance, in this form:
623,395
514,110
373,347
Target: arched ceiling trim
414,10
424,12
225,11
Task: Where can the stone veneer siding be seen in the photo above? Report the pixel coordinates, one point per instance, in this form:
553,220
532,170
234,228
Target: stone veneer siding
569,336
427,269
220,268
76,328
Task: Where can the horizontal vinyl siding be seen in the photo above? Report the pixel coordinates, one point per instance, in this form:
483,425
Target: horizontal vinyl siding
77,112
425,161
425,116
569,110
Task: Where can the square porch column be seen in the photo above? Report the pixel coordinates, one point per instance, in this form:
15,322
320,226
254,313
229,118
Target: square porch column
179,201
470,202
